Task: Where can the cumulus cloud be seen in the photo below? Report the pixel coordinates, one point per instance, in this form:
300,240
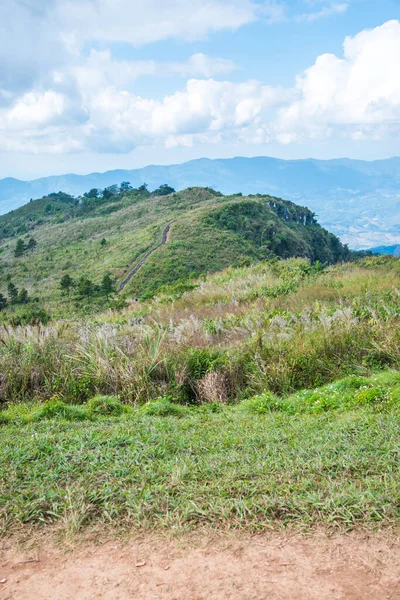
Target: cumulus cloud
357,94
117,121
64,100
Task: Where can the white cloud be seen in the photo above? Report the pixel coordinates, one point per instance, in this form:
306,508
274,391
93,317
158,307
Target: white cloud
72,102
143,21
101,69
326,11
357,95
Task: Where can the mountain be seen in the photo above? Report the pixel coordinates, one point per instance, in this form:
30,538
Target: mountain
390,250
173,238
357,200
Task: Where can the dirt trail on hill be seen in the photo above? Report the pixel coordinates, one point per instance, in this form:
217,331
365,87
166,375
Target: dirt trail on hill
165,238
272,566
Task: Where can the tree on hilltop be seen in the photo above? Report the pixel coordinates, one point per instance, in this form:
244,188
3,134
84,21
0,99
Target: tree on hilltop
164,190
125,187
93,193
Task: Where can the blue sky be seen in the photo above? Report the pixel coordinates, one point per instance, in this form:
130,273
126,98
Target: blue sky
92,85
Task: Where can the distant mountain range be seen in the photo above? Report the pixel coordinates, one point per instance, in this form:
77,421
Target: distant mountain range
391,250
357,200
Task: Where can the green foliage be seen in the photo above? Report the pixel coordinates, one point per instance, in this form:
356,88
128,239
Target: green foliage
23,297
85,287
200,361
163,407
259,405
3,302
66,283
379,391
105,405
107,285
209,232
32,243
225,469
164,190
20,248
57,409
12,293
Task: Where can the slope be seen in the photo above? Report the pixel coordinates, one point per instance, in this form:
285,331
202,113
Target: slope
210,231
357,200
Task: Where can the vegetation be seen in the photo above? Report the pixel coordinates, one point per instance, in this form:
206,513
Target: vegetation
266,392
231,467
80,241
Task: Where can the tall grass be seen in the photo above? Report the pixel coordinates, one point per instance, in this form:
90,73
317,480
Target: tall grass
279,326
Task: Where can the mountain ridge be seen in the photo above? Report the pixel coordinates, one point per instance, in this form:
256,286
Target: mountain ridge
357,200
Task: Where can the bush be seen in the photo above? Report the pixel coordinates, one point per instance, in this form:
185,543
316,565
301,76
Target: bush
164,408
259,405
55,409
105,405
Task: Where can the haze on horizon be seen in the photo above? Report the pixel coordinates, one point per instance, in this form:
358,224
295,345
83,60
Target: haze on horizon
94,85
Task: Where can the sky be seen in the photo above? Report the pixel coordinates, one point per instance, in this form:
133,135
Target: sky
93,85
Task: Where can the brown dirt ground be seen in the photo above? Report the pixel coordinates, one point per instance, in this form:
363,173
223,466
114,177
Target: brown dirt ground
271,566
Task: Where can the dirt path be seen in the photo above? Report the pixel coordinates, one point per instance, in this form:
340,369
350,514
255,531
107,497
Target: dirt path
270,566
165,238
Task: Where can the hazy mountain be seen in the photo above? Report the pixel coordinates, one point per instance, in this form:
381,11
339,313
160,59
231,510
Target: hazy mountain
357,200
390,250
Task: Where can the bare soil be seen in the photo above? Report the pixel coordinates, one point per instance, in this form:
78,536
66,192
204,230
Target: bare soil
268,566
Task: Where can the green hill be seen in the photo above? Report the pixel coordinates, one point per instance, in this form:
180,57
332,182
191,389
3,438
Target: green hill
109,233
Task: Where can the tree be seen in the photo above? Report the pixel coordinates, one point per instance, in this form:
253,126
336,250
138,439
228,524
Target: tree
107,286
110,192
66,283
20,248
85,287
143,187
23,297
125,187
12,293
103,242
3,302
164,190
93,193
31,245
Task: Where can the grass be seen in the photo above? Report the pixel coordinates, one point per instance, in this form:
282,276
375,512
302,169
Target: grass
201,242
261,396
277,327
234,467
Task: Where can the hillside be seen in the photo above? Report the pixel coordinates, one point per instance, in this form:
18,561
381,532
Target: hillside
356,200
59,236
267,396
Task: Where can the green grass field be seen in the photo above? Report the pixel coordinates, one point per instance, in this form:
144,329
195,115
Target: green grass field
259,396
250,466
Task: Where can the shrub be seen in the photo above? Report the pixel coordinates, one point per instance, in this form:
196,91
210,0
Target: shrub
260,405
163,407
105,405
55,409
